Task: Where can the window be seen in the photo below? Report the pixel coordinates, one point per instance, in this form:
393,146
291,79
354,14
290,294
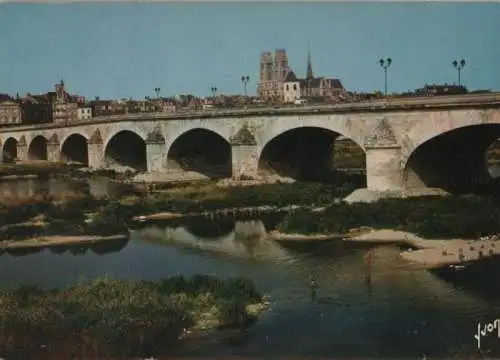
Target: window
295,87
287,87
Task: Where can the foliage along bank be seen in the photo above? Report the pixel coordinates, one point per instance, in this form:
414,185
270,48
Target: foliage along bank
85,215
107,317
465,216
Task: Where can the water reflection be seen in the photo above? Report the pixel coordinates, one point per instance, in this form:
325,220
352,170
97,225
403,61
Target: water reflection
242,239
206,229
28,187
109,246
400,312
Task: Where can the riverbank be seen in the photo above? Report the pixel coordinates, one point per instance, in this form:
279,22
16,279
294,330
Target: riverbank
280,237
46,222
55,241
432,253
451,217
107,317
317,210
26,220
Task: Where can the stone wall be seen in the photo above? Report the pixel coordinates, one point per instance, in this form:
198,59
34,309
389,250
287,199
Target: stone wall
388,138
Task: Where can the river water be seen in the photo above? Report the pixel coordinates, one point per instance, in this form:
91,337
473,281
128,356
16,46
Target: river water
400,312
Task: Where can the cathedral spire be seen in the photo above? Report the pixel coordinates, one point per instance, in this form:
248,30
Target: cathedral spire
309,75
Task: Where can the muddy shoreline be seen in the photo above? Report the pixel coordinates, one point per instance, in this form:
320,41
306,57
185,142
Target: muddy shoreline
55,241
432,253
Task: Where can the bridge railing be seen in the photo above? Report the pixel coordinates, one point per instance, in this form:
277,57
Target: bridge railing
367,104
383,103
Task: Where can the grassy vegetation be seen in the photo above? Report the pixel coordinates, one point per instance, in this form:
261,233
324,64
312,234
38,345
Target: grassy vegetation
210,197
432,217
34,168
84,215
20,218
107,317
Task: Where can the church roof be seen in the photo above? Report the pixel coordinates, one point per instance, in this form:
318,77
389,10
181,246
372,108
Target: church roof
291,77
336,83
314,82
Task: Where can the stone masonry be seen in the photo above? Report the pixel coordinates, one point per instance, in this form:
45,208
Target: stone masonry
389,133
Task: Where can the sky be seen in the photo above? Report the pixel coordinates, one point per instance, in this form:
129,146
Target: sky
123,50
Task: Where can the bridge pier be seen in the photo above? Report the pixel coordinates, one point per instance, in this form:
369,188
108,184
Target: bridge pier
53,152
244,154
156,152
383,159
95,151
383,169
22,149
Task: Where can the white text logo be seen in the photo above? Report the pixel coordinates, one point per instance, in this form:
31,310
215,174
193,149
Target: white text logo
488,328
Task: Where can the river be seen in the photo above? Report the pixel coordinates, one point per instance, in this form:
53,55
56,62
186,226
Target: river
401,312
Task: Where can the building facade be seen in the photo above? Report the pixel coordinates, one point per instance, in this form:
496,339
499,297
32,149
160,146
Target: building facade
10,111
431,90
65,105
273,72
311,88
84,112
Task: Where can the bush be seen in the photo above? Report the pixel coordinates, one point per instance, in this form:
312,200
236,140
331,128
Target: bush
232,312
302,222
120,318
433,217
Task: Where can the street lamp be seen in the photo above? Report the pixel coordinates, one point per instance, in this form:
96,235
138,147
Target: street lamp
245,80
157,91
459,65
213,89
385,63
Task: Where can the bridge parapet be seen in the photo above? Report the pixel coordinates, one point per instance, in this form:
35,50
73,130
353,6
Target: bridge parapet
381,105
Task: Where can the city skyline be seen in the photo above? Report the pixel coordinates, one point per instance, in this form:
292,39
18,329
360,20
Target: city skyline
127,50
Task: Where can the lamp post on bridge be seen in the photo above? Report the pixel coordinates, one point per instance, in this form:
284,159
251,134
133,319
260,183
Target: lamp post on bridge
385,63
157,91
459,65
245,80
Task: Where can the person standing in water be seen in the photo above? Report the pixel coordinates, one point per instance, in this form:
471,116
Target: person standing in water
313,286
368,260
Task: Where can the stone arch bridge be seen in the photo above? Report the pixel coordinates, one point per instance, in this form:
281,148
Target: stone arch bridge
408,142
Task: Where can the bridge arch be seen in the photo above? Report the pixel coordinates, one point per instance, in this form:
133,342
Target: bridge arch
440,124
303,153
202,151
74,148
9,150
37,150
454,159
126,148
355,129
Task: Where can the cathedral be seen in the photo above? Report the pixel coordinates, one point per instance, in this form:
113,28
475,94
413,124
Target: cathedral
279,83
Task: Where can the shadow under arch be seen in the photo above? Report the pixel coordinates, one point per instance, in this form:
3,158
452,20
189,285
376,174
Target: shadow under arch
107,247
202,151
126,148
37,149
9,150
303,153
75,149
205,229
454,160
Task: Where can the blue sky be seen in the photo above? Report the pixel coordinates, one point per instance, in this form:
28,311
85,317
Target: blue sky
127,49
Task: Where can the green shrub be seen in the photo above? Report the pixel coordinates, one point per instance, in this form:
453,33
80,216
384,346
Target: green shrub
121,318
232,312
433,217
